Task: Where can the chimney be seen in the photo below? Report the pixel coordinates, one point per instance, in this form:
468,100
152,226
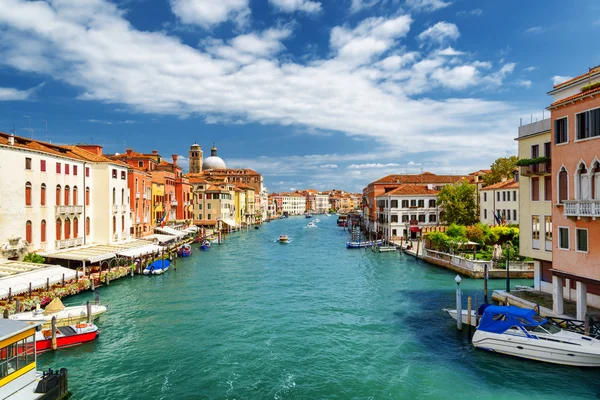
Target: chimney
155,152
129,151
92,148
175,157
11,139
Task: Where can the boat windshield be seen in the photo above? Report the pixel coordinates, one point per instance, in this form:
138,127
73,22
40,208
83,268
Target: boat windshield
547,328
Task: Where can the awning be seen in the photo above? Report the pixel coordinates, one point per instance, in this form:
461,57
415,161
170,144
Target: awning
138,251
19,283
415,229
191,228
160,238
170,231
96,252
229,222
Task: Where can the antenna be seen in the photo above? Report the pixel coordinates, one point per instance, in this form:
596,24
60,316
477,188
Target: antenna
46,122
29,129
14,130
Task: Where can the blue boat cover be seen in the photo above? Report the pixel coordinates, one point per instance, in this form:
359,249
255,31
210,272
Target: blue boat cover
158,264
497,319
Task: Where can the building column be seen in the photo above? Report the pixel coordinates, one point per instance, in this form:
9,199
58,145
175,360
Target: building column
557,295
567,289
581,298
537,275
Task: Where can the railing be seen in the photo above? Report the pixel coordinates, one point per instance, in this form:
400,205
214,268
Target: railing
115,236
115,208
124,208
174,203
68,209
145,220
137,220
66,243
475,265
575,325
145,196
582,208
536,169
137,195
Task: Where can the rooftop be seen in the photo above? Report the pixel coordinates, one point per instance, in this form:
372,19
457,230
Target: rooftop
405,190
423,178
534,128
508,184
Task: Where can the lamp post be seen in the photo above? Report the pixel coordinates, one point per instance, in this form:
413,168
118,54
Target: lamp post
458,279
507,267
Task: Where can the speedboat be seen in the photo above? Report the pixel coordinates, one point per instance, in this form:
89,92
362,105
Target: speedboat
157,267
311,225
362,245
465,316
523,333
308,215
284,239
317,220
66,336
185,250
205,245
64,315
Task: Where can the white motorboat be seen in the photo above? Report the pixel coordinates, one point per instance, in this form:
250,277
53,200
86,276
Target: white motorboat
317,220
311,225
523,333
64,315
465,316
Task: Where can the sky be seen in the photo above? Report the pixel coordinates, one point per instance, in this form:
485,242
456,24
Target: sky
326,94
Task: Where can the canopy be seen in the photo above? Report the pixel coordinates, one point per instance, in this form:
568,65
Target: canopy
96,252
415,229
497,319
19,282
170,231
229,222
191,228
160,238
55,306
138,251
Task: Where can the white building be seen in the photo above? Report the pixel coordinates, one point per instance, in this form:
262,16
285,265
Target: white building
406,210
502,200
293,203
321,202
58,197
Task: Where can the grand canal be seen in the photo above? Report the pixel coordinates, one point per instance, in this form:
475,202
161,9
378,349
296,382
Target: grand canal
253,319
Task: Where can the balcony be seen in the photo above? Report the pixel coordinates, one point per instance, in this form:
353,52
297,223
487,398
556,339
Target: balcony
115,208
145,196
582,209
115,236
536,169
137,195
174,203
125,208
62,210
145,220
66,243
137,220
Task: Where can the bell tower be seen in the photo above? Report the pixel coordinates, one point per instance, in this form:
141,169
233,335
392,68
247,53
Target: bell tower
195,159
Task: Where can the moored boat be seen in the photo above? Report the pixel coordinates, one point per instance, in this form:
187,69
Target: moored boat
308,215
311,225
185,250
362,245
465,316
66,336
158,267
284,239
523,333
64,315
205,245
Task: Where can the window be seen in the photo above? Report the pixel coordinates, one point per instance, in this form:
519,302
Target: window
209,216
535,231
404,203
114,196
200,216
58,168
200,206
122,196
74,195
394,203
421,203
432,218
547,188
484,196
123,223
514,215
87,225
58,195
587,124
28,233
413,203
563,185
581,240
548,223
508,215
67,228
114,224
140,164
43,165
394,218
421,218
484,213
497,196
547,149
43,231
514,195
504,196
208,196
67,195
561,134
87,172
16,356
563,238
75,170
67,169
123,175
28,194
535,151
43,195
208,206
28,163
58,229
87,196
405,218
431,203
75,227
114,173
535,189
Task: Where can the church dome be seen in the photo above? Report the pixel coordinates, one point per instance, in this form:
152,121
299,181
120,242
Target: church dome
214,161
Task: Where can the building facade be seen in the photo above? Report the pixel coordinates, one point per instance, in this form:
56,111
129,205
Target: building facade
499,203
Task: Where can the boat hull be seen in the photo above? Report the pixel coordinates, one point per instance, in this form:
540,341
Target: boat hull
532,349
66,341
465,316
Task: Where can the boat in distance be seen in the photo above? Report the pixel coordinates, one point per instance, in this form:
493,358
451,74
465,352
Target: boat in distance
523,333
362,245
284,239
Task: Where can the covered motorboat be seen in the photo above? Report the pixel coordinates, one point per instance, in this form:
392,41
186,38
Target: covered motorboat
205,245
66,336
523,333
64,315
185,250
158,267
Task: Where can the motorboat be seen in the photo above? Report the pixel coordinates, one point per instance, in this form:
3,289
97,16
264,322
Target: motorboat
256,227
317,220
362,245
465,316
64,315
66,336
308,215
523,333
205,245
342,220
284,239
185,250
311,225
158,267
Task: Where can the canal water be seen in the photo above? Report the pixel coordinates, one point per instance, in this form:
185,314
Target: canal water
255,319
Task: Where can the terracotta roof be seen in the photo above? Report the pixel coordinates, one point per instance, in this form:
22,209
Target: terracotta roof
575,96
86,155
207,222
425,177
508,184
406,190
36,145
196,179
593,71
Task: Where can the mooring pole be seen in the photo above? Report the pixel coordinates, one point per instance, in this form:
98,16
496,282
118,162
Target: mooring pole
54,346
469,308
88,308
485,283
507,267
458,279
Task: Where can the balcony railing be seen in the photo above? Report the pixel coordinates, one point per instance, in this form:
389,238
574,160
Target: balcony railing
66,243
145,220
137,195
115,236
137,220
68,209
145,196
174,203
582,208
115,208
536,169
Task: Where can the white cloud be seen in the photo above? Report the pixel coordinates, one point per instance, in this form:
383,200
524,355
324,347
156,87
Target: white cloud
207,13
534,30
372,165
427,5
440,33
475,12
449,51
289,6
530,69
456,78
358,5
12,94
328,166
106,122
556,79
524,83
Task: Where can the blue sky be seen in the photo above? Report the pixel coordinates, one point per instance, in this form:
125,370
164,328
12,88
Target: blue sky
323,94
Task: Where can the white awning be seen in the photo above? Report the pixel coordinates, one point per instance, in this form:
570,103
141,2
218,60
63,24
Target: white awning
192,228
19,283
170,231
229,222
160,238
138,251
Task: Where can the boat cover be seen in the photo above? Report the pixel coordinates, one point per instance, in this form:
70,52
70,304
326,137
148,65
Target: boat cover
497,319
158,264
55,306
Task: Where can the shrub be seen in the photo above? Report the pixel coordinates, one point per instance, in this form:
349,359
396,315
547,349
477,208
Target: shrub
456,231
34,258
590,87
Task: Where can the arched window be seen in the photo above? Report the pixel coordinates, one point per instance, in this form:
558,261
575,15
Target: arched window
58,229
74,195
596,180
114,196
114,224
28,233
75,227
123,223
563,185
43,195
28,194
43,231
87,196
87,226
583,187
67,228
58,195
67,195
122,196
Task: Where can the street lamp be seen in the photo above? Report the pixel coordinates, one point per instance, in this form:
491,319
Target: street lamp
458,279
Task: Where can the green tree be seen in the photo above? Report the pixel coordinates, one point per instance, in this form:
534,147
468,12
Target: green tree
34,258
458,203
503,167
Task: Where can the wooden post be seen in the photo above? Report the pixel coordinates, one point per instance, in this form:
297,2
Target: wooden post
92,287
88,308
469,308
30,289
47,284
485,283
9,295
417,253
476,309
97,298
54,346
5,314
18,306
107,278
63,280
458,304
76,275
175,262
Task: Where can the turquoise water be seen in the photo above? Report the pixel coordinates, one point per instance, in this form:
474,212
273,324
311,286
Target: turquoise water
255,319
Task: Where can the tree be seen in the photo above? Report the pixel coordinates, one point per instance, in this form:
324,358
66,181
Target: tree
34,258
503,167
458,204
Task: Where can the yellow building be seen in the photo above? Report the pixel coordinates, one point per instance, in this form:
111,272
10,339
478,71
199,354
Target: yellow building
535,201
158,198
240,204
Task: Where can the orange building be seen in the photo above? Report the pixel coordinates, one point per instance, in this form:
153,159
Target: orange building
575,124
140,191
